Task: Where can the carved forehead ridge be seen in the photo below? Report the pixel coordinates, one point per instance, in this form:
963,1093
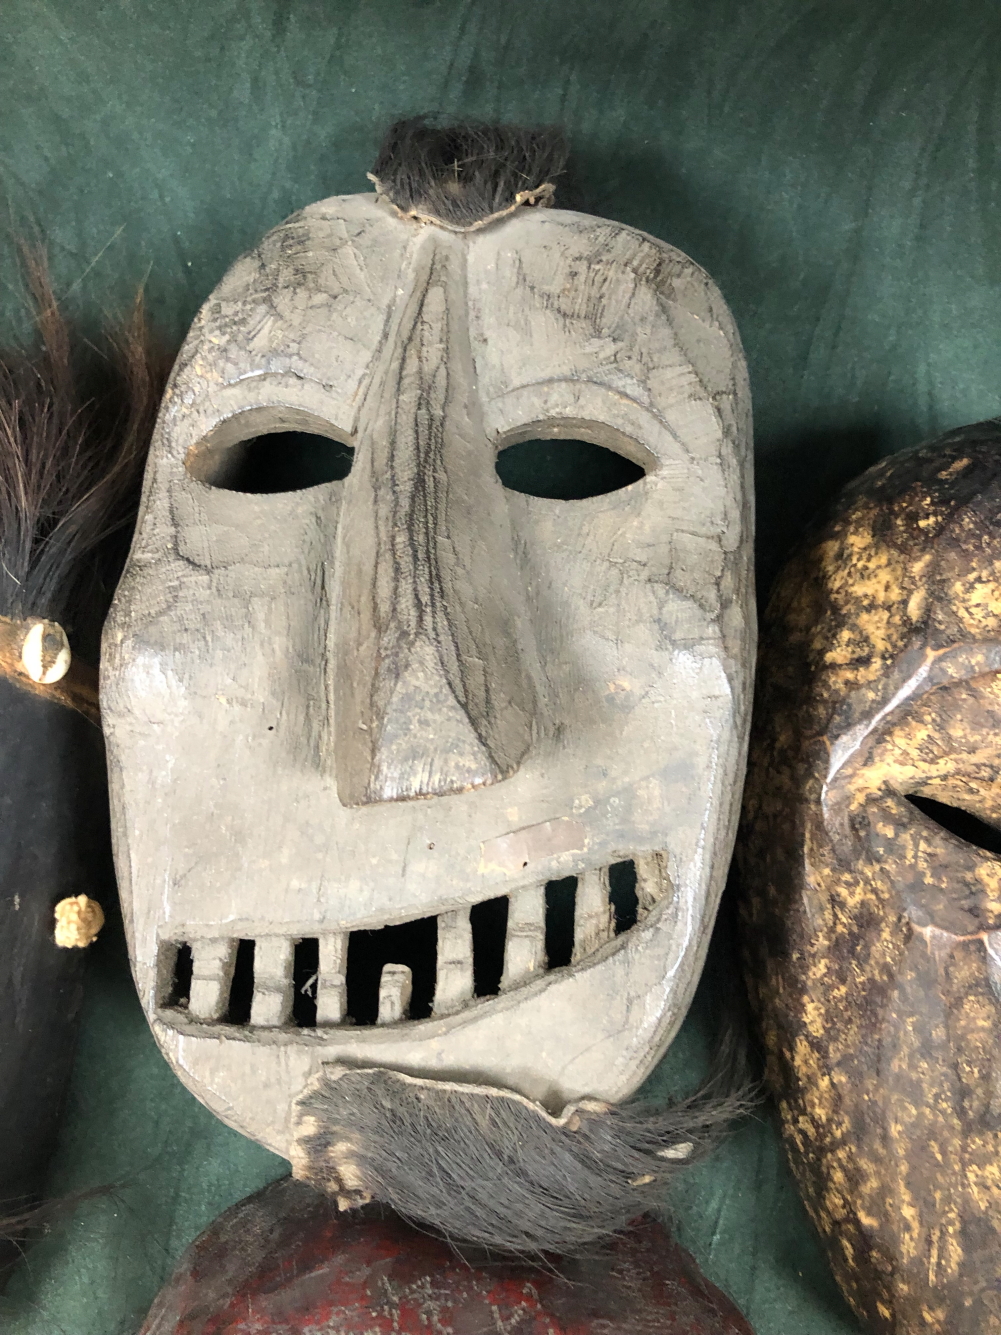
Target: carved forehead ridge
545,297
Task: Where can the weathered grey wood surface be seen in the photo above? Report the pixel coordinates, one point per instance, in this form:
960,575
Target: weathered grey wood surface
565,684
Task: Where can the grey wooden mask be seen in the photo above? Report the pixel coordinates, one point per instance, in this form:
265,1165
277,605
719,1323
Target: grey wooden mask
363,732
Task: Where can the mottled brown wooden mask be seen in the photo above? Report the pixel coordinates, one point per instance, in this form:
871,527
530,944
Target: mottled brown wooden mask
870,858
368,735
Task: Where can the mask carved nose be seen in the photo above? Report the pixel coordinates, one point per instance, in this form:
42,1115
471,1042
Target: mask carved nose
432,694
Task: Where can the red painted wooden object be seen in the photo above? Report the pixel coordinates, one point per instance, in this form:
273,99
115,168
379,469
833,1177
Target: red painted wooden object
283,1261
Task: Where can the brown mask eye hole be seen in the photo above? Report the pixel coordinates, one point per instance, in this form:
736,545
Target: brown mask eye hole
565,470
279,461
963,824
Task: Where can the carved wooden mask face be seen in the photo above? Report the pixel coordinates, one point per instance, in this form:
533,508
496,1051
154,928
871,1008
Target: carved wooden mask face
871,860
364,732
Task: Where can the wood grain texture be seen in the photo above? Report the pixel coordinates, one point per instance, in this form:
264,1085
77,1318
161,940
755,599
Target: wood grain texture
563,685
870,926
432,695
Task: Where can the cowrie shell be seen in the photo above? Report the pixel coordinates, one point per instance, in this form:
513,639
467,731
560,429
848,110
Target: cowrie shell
45,652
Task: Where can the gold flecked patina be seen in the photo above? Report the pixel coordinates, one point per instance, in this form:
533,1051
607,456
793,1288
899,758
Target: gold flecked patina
870,863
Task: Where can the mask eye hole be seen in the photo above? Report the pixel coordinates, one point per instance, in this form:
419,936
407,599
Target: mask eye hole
963,824
566,469
264,451
281,461
285,461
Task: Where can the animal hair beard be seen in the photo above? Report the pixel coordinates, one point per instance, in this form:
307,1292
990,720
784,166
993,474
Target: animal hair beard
490,1168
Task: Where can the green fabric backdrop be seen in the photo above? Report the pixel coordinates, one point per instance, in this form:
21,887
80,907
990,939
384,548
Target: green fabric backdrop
833,165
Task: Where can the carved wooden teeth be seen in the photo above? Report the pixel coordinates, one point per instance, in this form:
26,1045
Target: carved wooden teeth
211,978
594,915
332,979
525,952
652,880
302,983
272,1004
395,989
454,985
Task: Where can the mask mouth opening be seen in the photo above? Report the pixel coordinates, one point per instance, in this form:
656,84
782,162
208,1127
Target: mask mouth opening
426,968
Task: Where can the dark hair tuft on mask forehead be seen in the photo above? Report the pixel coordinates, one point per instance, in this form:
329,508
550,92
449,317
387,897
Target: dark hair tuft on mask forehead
463,175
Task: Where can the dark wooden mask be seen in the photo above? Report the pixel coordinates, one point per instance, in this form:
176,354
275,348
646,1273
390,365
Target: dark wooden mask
871,860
